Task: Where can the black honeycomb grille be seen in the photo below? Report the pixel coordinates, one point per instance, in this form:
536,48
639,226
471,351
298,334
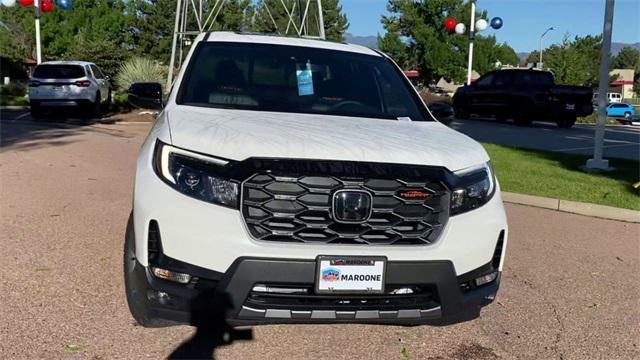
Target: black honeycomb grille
298,209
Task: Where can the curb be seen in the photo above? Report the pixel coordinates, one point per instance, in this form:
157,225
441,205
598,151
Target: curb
14,107
574,207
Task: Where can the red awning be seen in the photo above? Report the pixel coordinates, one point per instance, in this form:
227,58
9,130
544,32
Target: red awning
411,73
621,82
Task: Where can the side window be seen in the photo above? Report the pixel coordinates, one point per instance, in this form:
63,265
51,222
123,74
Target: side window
502,78
531,77
96,72
485,80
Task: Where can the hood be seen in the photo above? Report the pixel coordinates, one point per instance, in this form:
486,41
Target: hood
242,134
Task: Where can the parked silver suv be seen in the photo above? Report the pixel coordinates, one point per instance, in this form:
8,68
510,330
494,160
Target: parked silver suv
69,84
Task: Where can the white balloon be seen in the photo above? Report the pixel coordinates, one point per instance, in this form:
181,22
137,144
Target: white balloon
481,25
9,3
460,28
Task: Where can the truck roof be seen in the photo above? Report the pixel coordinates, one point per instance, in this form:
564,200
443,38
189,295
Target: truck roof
224,36
66,62
522,70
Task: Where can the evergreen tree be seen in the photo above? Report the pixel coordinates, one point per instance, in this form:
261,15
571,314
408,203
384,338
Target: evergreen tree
436,51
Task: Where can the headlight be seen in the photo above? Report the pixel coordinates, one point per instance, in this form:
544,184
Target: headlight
474,188
195,175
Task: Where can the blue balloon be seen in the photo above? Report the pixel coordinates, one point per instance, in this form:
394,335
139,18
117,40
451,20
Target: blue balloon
496,23
64,4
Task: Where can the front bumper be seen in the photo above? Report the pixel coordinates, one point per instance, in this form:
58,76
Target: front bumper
229,295
60,102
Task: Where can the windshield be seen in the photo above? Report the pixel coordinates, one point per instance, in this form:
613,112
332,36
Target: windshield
298,79
59,72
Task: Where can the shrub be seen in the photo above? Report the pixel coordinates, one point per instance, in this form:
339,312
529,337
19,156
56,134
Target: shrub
431,98
13,94
140,69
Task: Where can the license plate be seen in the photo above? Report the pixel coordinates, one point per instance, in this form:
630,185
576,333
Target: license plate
350,274
570,106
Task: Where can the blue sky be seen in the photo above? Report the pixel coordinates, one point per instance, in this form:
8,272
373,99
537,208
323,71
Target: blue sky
524,20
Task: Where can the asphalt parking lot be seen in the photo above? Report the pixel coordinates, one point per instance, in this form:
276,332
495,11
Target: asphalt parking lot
620,141
570,288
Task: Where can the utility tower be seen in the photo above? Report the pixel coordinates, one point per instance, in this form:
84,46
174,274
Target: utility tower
193,17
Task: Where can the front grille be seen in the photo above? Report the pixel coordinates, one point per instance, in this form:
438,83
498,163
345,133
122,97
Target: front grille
304,299
299,209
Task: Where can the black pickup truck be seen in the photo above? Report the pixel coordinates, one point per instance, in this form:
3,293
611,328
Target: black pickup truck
523,95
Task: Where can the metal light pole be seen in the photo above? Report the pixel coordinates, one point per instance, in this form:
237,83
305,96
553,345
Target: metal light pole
597,162
472,28
542,36
321,21
173,47
36,15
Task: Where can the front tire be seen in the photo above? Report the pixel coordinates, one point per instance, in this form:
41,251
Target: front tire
501,118
107,103
522,117
460,110
566,121
135,282
627,115
95,108
36,111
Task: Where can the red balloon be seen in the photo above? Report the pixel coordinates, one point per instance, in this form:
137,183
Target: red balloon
26,2
449,23
46,6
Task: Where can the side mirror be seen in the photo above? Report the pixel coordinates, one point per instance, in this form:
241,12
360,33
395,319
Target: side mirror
145,95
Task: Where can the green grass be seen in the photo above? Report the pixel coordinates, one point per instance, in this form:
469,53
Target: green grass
559,176
593,118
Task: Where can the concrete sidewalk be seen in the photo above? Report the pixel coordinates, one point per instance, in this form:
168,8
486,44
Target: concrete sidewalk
574,207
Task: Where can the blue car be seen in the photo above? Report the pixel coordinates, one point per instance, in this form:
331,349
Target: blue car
620,110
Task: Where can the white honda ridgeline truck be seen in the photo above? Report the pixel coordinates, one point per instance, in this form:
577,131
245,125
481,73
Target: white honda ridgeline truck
290,180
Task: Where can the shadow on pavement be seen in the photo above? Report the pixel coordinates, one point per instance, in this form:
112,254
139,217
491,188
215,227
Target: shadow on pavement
19,131
212,331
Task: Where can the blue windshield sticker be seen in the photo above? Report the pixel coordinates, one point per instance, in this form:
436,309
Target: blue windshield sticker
305,82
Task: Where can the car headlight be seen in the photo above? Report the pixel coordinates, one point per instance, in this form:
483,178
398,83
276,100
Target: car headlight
474,188
195,175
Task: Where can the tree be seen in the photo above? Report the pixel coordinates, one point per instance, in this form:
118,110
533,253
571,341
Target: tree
575,62
264,13
17,38
627,58
488,54
152,27
392,45
232,15
107,55
436,51
102,21
153,23
533,57
335,21
94,30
